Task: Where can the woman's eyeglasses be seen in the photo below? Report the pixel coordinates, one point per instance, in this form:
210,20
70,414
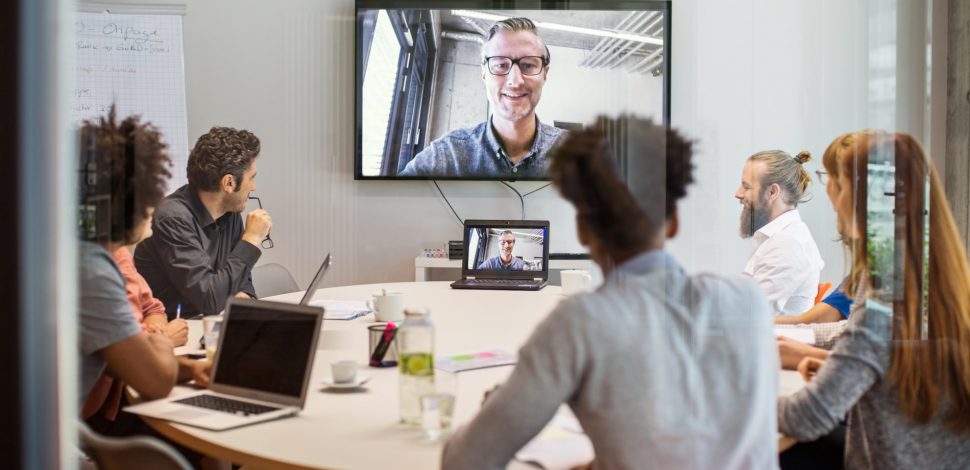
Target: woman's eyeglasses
267,243
823,177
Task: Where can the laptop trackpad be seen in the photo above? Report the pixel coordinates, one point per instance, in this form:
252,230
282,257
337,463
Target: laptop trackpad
185,414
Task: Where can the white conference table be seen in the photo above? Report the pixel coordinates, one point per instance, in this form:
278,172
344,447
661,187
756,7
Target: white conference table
360,429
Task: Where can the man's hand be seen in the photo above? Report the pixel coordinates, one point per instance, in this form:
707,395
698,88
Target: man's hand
258,224
809,367
199,371
242,295
159,339
792,352
178,331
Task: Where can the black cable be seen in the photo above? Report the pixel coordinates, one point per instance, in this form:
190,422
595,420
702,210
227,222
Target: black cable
453,211
517,193
540,188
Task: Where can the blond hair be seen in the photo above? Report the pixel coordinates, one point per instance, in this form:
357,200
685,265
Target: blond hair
513,25
926,373
785,171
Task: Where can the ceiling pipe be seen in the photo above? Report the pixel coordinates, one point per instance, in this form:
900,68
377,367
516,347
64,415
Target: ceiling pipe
603,42
462,36
611,48
636,67
649,65
618,58
618,45
474,24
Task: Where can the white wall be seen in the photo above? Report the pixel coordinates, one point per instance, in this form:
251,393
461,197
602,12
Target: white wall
747,76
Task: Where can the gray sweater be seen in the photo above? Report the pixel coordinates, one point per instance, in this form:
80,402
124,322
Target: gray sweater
854,380
663,370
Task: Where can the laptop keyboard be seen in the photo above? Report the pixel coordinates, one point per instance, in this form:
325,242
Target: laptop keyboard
498,282
226,405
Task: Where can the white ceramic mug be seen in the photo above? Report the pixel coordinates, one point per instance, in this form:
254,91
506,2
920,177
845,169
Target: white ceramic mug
387,306
575,281
343,371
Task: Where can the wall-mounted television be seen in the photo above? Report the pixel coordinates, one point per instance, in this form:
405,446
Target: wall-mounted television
438,97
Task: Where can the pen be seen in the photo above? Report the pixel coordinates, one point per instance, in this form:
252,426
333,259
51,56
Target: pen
178,311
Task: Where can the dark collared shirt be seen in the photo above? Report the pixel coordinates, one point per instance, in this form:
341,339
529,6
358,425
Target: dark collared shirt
194,260
496,263
476,151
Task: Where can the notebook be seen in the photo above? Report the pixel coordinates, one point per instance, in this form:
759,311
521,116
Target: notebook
505,254
261,370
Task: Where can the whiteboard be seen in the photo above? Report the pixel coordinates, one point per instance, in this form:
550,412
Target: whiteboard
136,62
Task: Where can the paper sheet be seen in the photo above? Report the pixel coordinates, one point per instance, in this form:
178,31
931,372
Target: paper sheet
561,445
341,309
476,360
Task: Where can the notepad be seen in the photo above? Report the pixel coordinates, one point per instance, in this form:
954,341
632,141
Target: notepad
562,444
341,309
801,334
477,360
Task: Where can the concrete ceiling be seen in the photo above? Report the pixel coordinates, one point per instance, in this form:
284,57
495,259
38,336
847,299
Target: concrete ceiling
605,20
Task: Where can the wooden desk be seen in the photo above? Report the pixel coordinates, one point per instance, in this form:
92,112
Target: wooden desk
361,430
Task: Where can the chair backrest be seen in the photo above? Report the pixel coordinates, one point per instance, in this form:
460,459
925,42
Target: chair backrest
273,279
142,452
822,289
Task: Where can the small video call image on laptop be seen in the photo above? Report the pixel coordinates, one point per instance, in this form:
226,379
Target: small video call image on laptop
261,370
505,254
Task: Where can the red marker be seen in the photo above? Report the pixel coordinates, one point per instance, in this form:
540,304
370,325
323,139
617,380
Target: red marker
377,359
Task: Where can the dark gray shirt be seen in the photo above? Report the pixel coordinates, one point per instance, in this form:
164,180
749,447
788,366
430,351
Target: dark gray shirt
104,313
194,260
854,381
476,151
495,262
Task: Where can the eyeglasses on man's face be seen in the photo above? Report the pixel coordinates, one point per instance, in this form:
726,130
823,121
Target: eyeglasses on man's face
528,65
267,242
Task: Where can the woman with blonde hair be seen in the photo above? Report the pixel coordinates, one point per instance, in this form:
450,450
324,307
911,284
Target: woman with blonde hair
903,382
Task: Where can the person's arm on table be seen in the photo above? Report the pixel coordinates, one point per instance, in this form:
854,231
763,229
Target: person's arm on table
849,372
792,352
205,288
820,313
545,377
145,362
196,370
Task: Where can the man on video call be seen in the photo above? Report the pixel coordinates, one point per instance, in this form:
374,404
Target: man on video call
512,143
504,260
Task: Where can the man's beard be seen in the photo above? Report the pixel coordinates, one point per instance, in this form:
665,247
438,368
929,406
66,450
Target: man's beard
752,219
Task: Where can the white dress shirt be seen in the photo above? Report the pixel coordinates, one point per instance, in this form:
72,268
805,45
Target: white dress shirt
787,264
662,369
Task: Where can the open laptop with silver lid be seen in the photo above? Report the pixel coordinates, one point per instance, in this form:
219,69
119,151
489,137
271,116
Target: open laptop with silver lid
488,242
261,370
315,283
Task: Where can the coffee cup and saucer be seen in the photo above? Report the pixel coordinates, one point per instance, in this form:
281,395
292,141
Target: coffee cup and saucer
343,375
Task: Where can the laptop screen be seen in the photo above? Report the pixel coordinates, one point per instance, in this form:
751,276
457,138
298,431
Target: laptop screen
308,295
504,247
265,348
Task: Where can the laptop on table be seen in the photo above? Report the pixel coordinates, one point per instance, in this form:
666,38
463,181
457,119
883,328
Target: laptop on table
315,283
261,370
505,254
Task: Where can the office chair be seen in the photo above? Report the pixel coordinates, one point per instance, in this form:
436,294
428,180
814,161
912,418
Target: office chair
823,287
142,452
273,279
